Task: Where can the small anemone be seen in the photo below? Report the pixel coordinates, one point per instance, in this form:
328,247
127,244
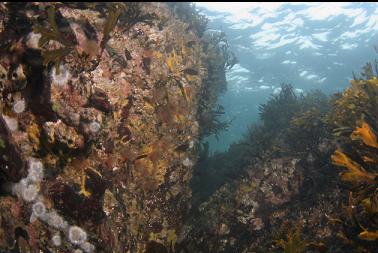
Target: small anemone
39,209
87,247
94,127
30,193
35,171
187,162
62,78
19,106
18,188
77,235
56,239
55,220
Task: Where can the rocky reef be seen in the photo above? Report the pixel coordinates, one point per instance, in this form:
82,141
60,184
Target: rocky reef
278,190
103,112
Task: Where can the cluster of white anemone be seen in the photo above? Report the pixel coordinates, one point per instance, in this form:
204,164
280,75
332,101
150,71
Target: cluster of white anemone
28,189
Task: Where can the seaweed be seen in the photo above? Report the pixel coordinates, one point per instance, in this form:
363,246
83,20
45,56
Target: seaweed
293,242
188,13
355,173
212,125
366,134
127,15
218,61
355,120
114,11
278,111
53,33
56,57
133,14
369,71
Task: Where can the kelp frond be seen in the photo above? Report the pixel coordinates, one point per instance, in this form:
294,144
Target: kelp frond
371,203
368,235
366,134
115,11
355,173
53,33
56,57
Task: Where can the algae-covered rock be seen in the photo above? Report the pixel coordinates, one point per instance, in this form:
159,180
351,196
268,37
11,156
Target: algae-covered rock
105,96
103,110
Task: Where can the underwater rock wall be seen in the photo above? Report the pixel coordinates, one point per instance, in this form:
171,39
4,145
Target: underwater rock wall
104,99
103,107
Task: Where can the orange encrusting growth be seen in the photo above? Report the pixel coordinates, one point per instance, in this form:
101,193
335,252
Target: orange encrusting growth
366,135
355,172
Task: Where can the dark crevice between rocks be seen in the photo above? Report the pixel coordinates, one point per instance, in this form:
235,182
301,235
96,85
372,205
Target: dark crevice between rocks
38,88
